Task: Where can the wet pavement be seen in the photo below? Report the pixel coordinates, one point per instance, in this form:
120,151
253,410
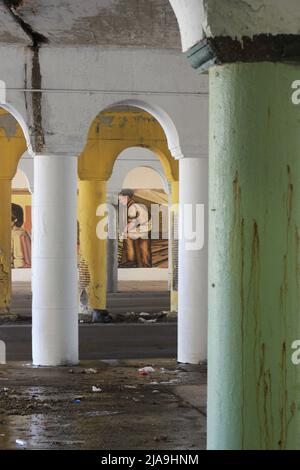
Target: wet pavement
103,405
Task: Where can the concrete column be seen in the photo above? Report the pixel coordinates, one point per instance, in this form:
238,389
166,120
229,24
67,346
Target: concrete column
54,262
112,244
254,278
112,265
5,245
193,253
92,194
173,251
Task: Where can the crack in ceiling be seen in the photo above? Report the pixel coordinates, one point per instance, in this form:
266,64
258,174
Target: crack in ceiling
137,23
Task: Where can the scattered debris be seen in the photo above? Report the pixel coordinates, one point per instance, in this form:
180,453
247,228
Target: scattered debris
101,413
77,401
155,391
130,386
161,438
144,371
170,382
143,320
135,399
83,371
96,389
90,371
143,317
21,443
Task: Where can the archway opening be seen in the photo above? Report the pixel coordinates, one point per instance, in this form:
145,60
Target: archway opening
12,146
21,236
147,270
115,130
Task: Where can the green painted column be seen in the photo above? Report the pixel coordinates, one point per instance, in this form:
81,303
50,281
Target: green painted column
254,260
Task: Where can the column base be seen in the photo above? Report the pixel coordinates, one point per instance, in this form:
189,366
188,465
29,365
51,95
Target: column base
6,316
173,314
174,302
101,316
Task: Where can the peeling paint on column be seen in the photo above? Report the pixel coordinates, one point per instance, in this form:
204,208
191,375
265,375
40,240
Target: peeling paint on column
5,244
92,249
254,294
237,247
4,283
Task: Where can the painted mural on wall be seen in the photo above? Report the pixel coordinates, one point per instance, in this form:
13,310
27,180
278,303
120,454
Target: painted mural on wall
143,241
21,231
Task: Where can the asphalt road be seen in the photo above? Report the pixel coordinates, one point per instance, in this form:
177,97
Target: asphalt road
121,302
116,341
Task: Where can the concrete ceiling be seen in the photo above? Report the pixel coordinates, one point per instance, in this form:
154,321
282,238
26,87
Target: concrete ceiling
138,23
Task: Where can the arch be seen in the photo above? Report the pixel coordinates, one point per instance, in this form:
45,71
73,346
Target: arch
12,146
21,121
26,166
13,143
123,165
116,129
190,16
21,174
162,118
163,181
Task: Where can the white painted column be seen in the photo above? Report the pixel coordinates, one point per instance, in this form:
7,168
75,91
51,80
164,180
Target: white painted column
193,260
54,261
170,239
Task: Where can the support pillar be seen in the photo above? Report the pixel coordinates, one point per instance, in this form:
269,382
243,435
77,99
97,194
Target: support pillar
193,264
254,278
93,253
112,266
5,245
173,251
54,261
112,244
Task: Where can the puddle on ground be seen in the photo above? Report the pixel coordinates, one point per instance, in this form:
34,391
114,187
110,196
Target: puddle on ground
101,413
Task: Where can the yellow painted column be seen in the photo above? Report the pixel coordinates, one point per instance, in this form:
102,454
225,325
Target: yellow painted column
92,251
12,146
5,245
174,245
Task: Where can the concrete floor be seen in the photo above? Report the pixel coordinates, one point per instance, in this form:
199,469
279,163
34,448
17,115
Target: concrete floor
44,408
